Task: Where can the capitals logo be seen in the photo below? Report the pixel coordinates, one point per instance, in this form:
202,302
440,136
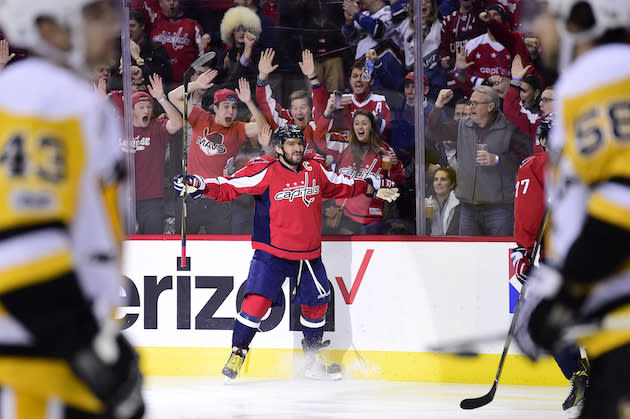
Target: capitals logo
291,192
211,143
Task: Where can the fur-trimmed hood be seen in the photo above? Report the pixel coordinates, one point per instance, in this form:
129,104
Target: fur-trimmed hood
236,16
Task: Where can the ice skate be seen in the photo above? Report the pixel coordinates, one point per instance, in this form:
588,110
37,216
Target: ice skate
234,363
318,367
575,400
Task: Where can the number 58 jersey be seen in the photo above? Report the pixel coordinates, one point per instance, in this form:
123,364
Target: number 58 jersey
60,172
588,181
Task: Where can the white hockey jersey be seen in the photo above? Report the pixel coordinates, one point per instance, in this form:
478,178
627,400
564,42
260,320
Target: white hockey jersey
589,173
60,211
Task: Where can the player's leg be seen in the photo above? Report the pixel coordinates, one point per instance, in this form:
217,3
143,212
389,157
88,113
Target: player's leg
313,296
608,392
263,288
575,369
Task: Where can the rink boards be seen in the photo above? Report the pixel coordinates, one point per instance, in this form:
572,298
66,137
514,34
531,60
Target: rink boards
394,300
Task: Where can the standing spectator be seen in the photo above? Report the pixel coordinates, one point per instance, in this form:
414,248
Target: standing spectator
362,97
268,34
240,29
180,36
487,177
366,156
462,110
5,54
150,137
521,101
459,27
286,239
63,354
366,29
216,139
150,57
320,34
484,56
446,207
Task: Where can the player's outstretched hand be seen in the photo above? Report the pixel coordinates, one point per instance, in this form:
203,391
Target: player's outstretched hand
193,185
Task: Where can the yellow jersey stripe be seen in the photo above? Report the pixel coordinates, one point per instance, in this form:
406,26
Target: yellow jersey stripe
601,208
35,272
604,341
110,199
52,376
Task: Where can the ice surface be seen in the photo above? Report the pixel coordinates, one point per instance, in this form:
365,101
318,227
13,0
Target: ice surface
255,398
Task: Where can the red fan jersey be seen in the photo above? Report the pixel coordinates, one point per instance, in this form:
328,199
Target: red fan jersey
364,209
181,38
490,58
375,103
212,144
457,29
288,212
529,200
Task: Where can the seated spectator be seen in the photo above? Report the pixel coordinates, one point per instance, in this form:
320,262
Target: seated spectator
180,36
521,106
268,36
457,29
150,137
150,57
365,154
484,56
486,177
446,208
240,29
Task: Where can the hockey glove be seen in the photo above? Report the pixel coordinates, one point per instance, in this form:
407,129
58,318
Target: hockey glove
193,185
548,310
383,188
109,367
521,262
387,194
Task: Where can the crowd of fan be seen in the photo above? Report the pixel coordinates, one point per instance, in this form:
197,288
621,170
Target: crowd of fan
344,71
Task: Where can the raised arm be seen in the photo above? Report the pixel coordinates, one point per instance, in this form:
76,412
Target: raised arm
437,130
204,81
245,95
156,90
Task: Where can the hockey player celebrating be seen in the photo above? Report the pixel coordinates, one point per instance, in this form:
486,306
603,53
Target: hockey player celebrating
61,354
289,192
586,276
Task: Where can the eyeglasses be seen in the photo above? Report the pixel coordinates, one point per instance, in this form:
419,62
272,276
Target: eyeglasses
546,99
475,103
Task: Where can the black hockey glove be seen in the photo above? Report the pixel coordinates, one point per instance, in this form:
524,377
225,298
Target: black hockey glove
109,367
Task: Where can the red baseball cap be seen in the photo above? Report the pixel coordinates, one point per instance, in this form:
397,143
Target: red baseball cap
411,77
225,95
140,97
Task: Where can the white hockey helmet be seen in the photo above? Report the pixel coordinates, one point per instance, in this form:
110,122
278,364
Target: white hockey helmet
607,14
18,20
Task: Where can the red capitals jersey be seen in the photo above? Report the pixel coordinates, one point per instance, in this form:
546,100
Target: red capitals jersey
181,38
149,148
212,144
529,200
364,209
490,58
288,212
277,116
457,30
375,103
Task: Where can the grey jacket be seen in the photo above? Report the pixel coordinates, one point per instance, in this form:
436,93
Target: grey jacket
484,184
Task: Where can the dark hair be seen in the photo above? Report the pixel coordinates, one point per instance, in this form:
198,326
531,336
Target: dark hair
536,85
137,16
451,174
374,141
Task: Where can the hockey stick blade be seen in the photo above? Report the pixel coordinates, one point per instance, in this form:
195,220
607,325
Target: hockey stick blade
475,402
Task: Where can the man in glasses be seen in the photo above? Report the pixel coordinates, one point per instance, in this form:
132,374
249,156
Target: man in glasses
489,150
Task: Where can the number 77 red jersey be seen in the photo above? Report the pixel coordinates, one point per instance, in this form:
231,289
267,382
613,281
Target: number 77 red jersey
529,199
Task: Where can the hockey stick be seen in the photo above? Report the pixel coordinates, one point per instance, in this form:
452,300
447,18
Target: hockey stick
476,402
187,76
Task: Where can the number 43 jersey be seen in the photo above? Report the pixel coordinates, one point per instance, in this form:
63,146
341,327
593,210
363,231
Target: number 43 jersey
60,167
589,173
